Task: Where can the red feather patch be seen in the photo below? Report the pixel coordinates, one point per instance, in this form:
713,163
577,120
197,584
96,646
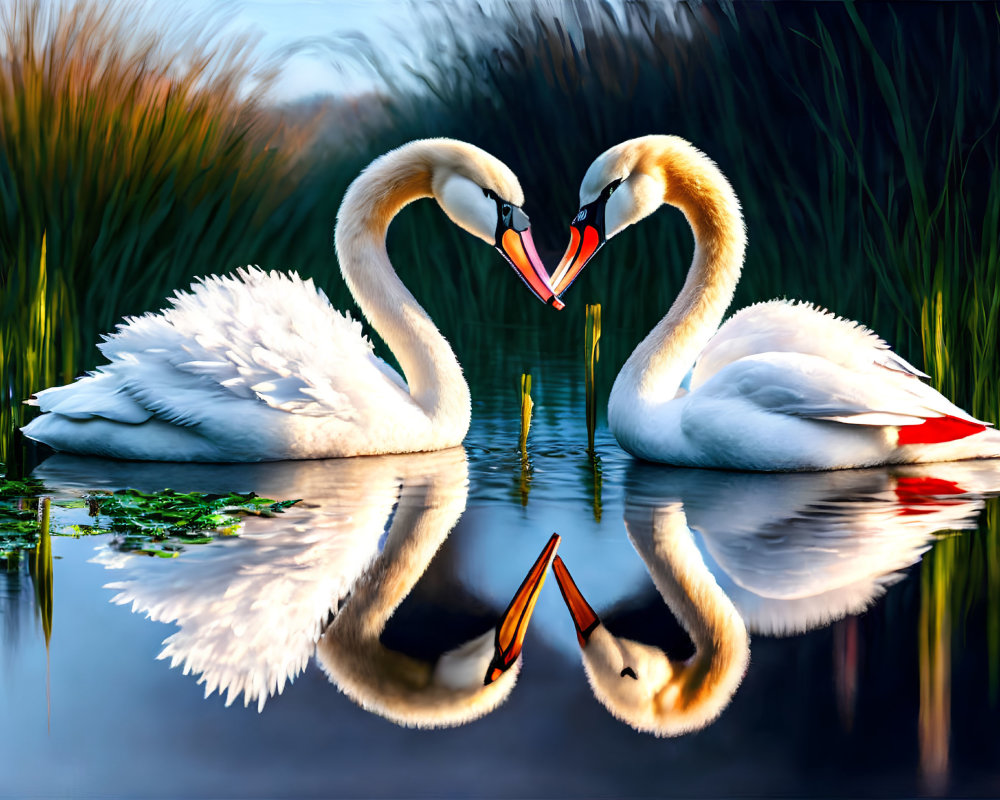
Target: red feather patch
938,429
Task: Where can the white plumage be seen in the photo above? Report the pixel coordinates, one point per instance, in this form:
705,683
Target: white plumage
322,579
247,367
249,610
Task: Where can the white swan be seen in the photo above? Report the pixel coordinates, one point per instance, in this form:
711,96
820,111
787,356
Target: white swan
781,385
260,367
251,610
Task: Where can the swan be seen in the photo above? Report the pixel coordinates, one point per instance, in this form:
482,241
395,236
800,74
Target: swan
781,386
259,367
641,684
250,611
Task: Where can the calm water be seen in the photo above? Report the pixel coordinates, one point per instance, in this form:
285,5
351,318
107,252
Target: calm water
865,676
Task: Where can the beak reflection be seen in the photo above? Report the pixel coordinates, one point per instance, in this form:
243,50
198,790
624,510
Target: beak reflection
583,615
514,623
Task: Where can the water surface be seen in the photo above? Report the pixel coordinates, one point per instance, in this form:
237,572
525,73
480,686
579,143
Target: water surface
872,670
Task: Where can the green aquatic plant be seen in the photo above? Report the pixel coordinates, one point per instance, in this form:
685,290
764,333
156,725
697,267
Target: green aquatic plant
591,355
524,481
526,406
22,487
597,477
156,523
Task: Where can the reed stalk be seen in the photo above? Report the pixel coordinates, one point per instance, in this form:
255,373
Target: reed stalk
591,354
992,547
526,406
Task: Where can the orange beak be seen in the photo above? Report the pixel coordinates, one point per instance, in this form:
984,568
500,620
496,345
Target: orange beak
583,615
514,623
519,249
584,241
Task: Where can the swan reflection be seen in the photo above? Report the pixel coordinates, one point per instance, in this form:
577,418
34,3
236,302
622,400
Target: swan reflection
767,553
251,610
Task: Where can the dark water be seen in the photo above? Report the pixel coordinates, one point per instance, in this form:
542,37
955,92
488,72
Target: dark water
870,654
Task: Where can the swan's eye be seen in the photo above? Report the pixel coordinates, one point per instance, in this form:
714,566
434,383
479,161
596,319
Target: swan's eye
630,672
505,211
610,188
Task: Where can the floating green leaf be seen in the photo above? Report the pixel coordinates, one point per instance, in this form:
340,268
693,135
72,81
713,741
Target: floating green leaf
157,523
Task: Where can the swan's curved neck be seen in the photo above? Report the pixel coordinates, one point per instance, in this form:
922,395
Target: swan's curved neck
699,189
722,644
432,372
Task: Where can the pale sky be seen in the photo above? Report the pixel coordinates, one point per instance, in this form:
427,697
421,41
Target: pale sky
281,24
284,22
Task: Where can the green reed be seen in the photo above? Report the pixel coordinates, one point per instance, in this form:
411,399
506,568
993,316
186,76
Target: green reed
935,637
932,236
524,481
526,406
30,345
591,355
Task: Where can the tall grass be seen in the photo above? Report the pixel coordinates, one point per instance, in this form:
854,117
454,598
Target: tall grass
930,220
122,174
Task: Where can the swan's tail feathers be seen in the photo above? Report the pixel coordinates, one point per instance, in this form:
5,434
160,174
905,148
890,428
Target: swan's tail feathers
940,429
92,396
967,442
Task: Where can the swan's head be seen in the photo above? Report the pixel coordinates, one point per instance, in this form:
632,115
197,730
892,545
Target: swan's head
481,195
621,187
639,683
463,684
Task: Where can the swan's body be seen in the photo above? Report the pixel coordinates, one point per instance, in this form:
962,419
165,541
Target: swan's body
250,611
780,386
260,367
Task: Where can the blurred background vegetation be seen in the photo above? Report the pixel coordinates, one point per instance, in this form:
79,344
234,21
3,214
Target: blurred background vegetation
863,143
